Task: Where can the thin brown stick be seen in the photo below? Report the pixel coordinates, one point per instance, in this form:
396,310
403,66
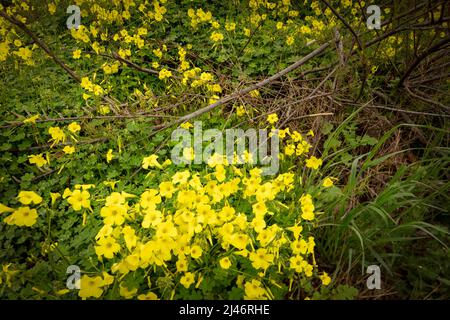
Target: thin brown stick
425,99
133,65
258,85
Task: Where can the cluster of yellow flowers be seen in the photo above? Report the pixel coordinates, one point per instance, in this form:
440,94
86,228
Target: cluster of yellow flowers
225,215
57,136
172,226
199,16
89,86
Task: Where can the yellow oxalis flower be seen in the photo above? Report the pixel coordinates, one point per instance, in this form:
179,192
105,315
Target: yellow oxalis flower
313,163
325,279
272,118
151,161
148,296
57,134
31,119
4,209
90,287
69,149
76,54
23,216
216,36
225,263
79,199
107,247
328,182
74,127
37,159
187,280
164,73
27,197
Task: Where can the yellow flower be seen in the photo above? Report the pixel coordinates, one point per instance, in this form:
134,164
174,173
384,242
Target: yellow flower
57,134
186,125
127,293
196,252
151,161
150,198
259,208
37,159
290,41
4,209
86,83
97,90
327,182
126,15
107,247
225,263
272,118
230,26
261,259
52,8
296,230
158,53
79,199
109,156
164,73
24,53
289,150
148,296
4,49
187,280
216,36
27,197
313,163
90,287
23,216
55,196
297,263
299,246
254,290
76,54
69,149
31,119
240,111
74,127
114,214
180,177
325,279
166,189
254,93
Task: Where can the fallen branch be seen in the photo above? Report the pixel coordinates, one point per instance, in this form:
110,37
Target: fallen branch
244,91
133,65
